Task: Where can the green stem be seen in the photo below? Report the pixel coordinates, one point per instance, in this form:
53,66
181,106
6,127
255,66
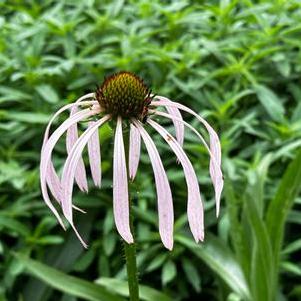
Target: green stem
131,266
130,249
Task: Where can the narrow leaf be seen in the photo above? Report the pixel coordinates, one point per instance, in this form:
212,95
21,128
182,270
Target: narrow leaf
270,102
121,287
281,204
67,284
48,93
219,258
169,271
262,268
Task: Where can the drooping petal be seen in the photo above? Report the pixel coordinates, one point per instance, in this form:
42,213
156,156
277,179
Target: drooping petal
87,96
55,186
195,211
165,204
64,108
52,178
44,170
70,169
71,138
186,124
120,187
51,172
50,143
47,151
215,148
216,174
53,182
134,151
78,236
179,127
95,156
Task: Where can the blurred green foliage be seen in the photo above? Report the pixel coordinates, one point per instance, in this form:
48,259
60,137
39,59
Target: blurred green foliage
237,63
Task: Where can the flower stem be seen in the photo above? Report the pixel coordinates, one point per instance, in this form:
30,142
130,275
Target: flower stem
130,255
130,249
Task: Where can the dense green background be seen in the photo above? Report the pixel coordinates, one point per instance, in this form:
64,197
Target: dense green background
237,63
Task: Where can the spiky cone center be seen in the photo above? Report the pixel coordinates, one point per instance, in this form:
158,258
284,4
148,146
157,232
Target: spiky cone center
124,94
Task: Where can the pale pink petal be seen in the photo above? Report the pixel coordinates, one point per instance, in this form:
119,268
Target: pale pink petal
179,127
80,102
134,151
47,151
69,169
195,211
51,171
189,126
85,97
78,236
71,138
78,209
95,156
53,182
64,108
164,196
55,186
46,196
215,174
120,187
60,131
215,147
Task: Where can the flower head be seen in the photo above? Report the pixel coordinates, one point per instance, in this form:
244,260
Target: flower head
124,94
125,97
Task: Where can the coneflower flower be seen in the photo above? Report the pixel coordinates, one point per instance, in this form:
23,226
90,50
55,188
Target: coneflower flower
127,101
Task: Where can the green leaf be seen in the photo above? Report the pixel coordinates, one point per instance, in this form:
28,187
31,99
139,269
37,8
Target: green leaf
14,225
169,271
296,291
291,268
84,261
29,117
49,240
192,274
48,93
63,257
67,284
156,262
233,297
237,234
281,204
270,102
109,243
294,217
262,269
11,94
121,287
292,247
219,258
